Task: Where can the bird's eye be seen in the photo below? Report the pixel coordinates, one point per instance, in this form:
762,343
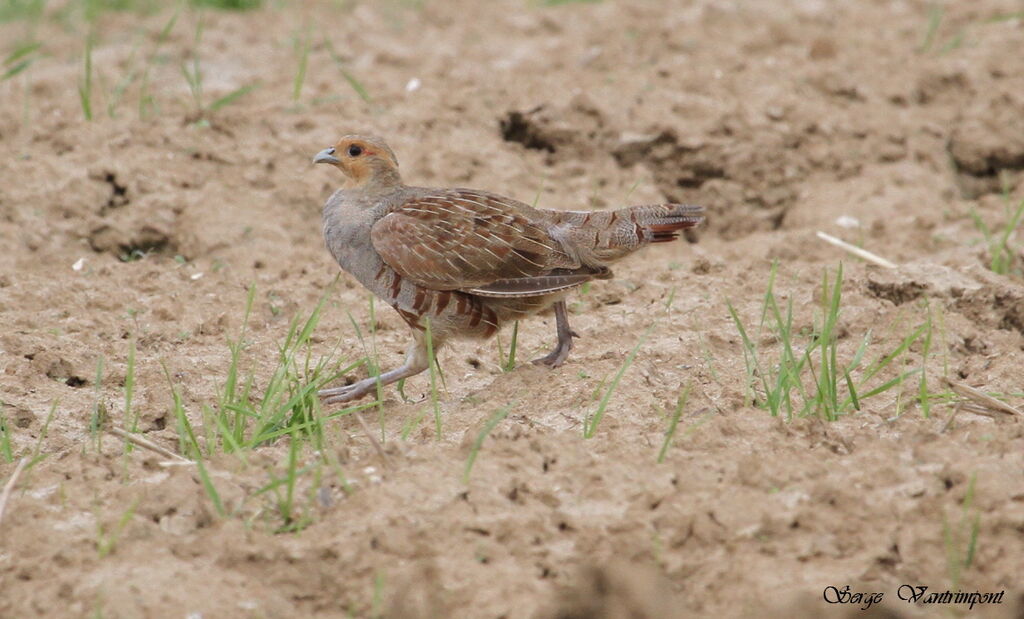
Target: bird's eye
355,150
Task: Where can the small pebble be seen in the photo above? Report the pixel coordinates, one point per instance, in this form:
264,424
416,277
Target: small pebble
846,221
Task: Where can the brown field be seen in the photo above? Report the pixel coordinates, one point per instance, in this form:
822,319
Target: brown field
897,126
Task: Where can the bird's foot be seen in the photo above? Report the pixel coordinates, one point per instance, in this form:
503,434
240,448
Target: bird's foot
556,357
553,359
347,393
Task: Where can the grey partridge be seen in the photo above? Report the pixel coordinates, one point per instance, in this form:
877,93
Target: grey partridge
469,261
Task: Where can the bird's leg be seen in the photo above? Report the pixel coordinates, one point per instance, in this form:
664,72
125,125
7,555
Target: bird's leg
558,356
416,360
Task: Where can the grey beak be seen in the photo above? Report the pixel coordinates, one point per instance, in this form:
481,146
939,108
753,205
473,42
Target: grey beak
326,156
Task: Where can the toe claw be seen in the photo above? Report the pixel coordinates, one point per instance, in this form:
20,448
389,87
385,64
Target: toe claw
553,359
345,393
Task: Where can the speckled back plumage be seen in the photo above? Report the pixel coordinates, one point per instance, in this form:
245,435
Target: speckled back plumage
468,259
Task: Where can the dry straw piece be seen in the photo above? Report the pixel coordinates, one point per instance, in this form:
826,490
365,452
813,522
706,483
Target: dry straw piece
147,444
857,251
977,402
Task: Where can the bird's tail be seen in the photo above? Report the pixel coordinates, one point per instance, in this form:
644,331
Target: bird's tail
601,237
663,222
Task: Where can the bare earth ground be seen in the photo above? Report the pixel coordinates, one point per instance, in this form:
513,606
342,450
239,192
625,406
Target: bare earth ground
779,117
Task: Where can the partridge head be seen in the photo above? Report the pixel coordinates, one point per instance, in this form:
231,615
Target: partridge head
363,160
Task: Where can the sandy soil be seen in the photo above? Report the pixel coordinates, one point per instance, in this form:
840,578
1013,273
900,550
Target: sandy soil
782,118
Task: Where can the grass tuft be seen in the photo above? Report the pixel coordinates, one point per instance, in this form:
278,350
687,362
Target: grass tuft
288,407
816,381
107,537
1001,252
289,403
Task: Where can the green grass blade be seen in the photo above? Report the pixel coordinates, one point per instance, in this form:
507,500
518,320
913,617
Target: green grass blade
934,20
858,356
188,446
852,390
16,69
883,362
5,437
356,85
972,541
1002,256
750,356
923,394
226,434
980,224
889,384
494,420
300,73
233,96
130,416
98,419
508,363
590,423
769,294
290,478
413,423
85,87
185,431
432,361
21,52
673,423
44,430
211,490
166,30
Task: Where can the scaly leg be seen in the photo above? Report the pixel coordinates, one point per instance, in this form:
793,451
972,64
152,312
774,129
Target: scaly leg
416,361
558,356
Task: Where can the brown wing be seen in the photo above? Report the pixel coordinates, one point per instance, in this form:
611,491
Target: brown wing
462,239
556,281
